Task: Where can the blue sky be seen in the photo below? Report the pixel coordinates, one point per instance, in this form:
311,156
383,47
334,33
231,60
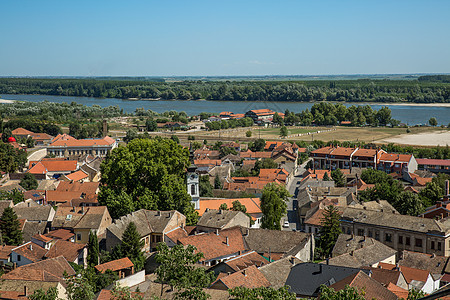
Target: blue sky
166,38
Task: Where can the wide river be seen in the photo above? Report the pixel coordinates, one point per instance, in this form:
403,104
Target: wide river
409,114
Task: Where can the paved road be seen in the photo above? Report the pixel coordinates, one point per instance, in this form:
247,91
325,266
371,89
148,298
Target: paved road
292,187
37,155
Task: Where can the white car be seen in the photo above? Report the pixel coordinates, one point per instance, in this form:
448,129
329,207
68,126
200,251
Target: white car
286,224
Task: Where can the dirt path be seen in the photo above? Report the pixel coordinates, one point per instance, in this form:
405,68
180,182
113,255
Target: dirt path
441,137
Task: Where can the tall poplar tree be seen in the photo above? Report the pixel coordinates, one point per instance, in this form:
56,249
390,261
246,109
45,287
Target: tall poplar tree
93,250
10,227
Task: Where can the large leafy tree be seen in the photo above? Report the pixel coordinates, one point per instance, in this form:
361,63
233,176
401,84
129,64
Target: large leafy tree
149,174
40,294
273,205
205,186
10,158
78,288
329,232
257,145
10,227
261,293
93,250
283,131
408,203
177,269
347,293
338,178
29,182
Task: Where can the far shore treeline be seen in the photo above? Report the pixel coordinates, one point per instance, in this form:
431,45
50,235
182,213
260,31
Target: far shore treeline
426,89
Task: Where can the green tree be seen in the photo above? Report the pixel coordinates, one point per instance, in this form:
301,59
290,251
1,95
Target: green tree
130,135
175,139
124,293
15,195
151,125
408,203
40,294
329,232
283,131
205,186
414,294
348,293
93,250
257,145
10,158
432,121
383,116
248,133
261,293
6,134
148,174
338,178
177,269
273,205
29,182
431,194
223,206
266,163
326,177
277,119
217,183
10,228
131,246
78,288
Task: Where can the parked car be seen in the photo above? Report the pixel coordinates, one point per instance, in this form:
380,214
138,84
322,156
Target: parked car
286,224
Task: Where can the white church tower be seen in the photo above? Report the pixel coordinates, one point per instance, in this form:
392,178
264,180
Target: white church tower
193,188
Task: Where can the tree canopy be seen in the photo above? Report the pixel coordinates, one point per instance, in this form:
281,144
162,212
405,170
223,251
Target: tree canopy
273,205
29,182
329,232
10,228
149,174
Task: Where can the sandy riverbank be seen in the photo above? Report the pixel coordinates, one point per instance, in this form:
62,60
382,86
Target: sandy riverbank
434,138
6,101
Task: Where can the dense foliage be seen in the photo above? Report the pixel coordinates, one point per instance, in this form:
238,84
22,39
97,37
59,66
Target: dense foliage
149,174
261,293
29,182
11,159
273,205
10,228
426,89
329,232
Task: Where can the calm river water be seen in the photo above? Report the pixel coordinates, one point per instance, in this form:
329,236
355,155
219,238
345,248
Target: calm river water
409,114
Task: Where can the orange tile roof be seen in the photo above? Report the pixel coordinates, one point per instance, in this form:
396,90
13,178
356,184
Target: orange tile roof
61,165
83,187
69,250
272,145
238,116
213,245
251,204
42,238
245,183
207,162
62,234
77,176
5,251
254,155
365,153
343,151
250,278
176,234
61,197
263,112
401,293
115,265
245,260
272,174
30,250
41,136
68,141
409,273
21,131
323,150
392,157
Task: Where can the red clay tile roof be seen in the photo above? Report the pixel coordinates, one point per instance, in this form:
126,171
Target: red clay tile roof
250,278
115,265
343,151
245,260
398,291
62,234
69,250
365,153
41,136
67,140
21,131
323,150
60,197
213,246
254,155
31,251
433,162
52,166
207,162
245,183
270,145
251,204
77,176
34,194
392,157
83,187
51,269
409,273
362,282
107,295
42,238
176,234
5,251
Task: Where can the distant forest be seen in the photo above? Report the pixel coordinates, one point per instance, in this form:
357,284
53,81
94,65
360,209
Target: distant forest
426,89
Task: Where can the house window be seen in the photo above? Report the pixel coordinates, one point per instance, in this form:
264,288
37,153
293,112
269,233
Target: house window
439,246
418,242
317,230
348,231
192,189
388,237
309,229
432,245
19,257
407,241
377,235
370,234
400,239
78,236
361,232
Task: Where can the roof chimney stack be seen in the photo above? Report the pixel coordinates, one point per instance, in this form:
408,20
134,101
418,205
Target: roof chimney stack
228,244
25,290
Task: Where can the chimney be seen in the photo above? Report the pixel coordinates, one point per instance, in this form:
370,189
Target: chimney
220,211
397,267
370,273
169,214
82,209
447,188
217,231
353,236
158,213
31,247
25,290
243,272
73,208
328,261
207,209
246,232
438,204
227,241
352,253
28,204
433,255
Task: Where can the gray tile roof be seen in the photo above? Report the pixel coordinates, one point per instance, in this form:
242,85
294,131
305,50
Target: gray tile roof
35,213
217,218
274,241
433,263
278,271
4,204
32,228
306,278
402,222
